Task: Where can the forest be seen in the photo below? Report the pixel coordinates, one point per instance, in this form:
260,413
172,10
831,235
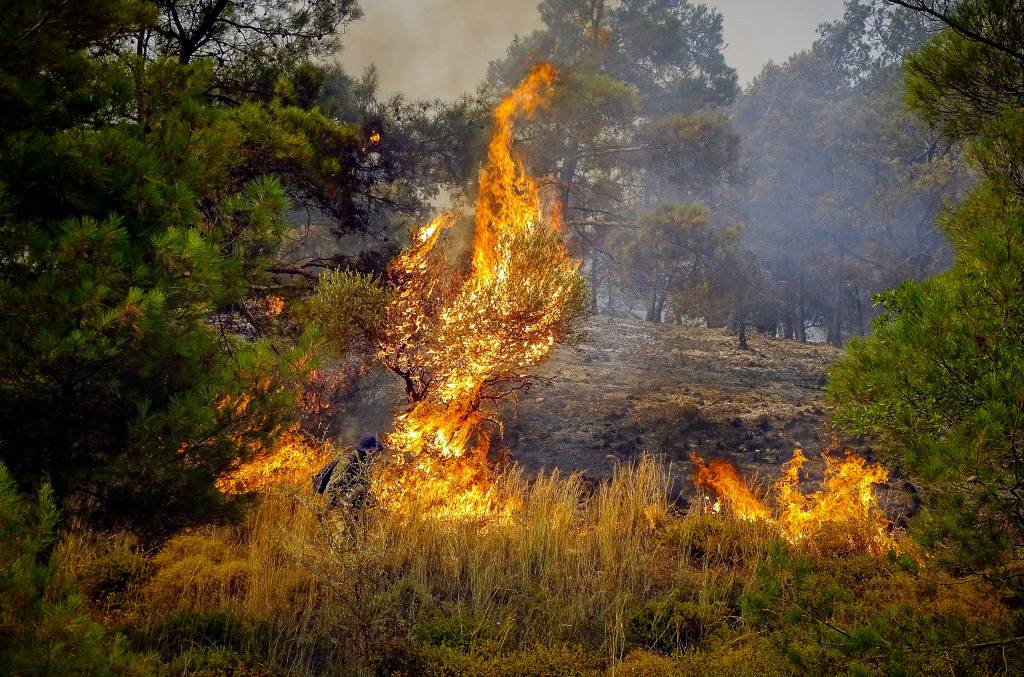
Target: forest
615,364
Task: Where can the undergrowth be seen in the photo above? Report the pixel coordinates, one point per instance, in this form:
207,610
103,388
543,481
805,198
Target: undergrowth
576,581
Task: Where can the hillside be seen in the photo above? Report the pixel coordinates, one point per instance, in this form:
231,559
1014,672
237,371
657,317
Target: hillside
633,386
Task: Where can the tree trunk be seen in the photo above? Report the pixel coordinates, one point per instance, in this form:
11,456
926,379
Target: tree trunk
801,319
656,307
659,310
741,324
836,333
860,315
594,284
652,307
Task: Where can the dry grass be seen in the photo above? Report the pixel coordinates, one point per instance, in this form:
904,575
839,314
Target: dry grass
611,571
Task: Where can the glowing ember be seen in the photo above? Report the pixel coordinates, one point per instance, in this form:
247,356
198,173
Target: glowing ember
275,304
843,517
462,343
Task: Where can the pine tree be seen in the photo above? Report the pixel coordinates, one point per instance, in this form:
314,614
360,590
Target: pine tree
138,214
942,379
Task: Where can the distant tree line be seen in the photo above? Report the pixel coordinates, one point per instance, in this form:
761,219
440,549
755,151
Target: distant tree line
784,206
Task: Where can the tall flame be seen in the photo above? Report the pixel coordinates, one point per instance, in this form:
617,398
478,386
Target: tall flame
844,516
464,342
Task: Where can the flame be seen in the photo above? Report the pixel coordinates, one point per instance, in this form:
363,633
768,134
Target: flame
464,342
292,461
275,305
722,478
843,517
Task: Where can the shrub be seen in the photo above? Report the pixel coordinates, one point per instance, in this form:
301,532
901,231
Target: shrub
542,661
207,630
674,621
112,581
43,626
222,663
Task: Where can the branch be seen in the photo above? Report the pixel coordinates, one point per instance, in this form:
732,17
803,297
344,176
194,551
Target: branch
928,8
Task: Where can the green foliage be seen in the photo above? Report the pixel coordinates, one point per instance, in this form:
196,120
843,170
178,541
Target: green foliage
44,629
959,83
113,580
544,661
826,615
676,252
222,663
675,621
345,309
175,633
137,219
942,382
942,379
750,655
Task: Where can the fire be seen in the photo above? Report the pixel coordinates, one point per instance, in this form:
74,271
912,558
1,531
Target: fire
464,342
291,462
843,517
722,478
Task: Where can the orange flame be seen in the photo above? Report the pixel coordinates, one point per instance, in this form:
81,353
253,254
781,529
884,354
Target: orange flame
464,342
722,478
843,517
290,462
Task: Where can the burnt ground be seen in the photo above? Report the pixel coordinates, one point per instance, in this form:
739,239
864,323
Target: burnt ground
632,387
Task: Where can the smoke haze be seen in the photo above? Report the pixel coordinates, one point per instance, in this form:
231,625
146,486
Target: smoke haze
440,48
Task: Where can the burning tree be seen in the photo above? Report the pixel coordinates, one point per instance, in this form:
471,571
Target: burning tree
464,342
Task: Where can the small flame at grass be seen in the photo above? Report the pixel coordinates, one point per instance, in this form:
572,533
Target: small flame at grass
843,517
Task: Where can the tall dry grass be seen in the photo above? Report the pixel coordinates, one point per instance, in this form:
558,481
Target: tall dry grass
328,591
613,575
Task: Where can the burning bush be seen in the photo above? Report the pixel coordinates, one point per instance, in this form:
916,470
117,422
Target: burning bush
462,343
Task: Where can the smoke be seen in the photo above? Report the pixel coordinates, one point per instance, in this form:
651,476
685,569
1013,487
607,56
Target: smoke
435,48
440,48
757,32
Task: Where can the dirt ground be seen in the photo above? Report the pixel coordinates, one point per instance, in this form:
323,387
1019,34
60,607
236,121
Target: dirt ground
632,387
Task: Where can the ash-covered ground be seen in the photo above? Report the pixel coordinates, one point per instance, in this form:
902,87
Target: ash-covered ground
633,387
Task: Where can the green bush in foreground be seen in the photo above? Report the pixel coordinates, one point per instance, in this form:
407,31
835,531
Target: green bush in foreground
44,628
941,380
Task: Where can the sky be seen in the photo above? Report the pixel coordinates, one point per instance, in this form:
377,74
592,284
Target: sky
440,48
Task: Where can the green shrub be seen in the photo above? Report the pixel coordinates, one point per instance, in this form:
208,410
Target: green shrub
43,626
753,656
542,661
112,581
222,663
674,622
177,632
